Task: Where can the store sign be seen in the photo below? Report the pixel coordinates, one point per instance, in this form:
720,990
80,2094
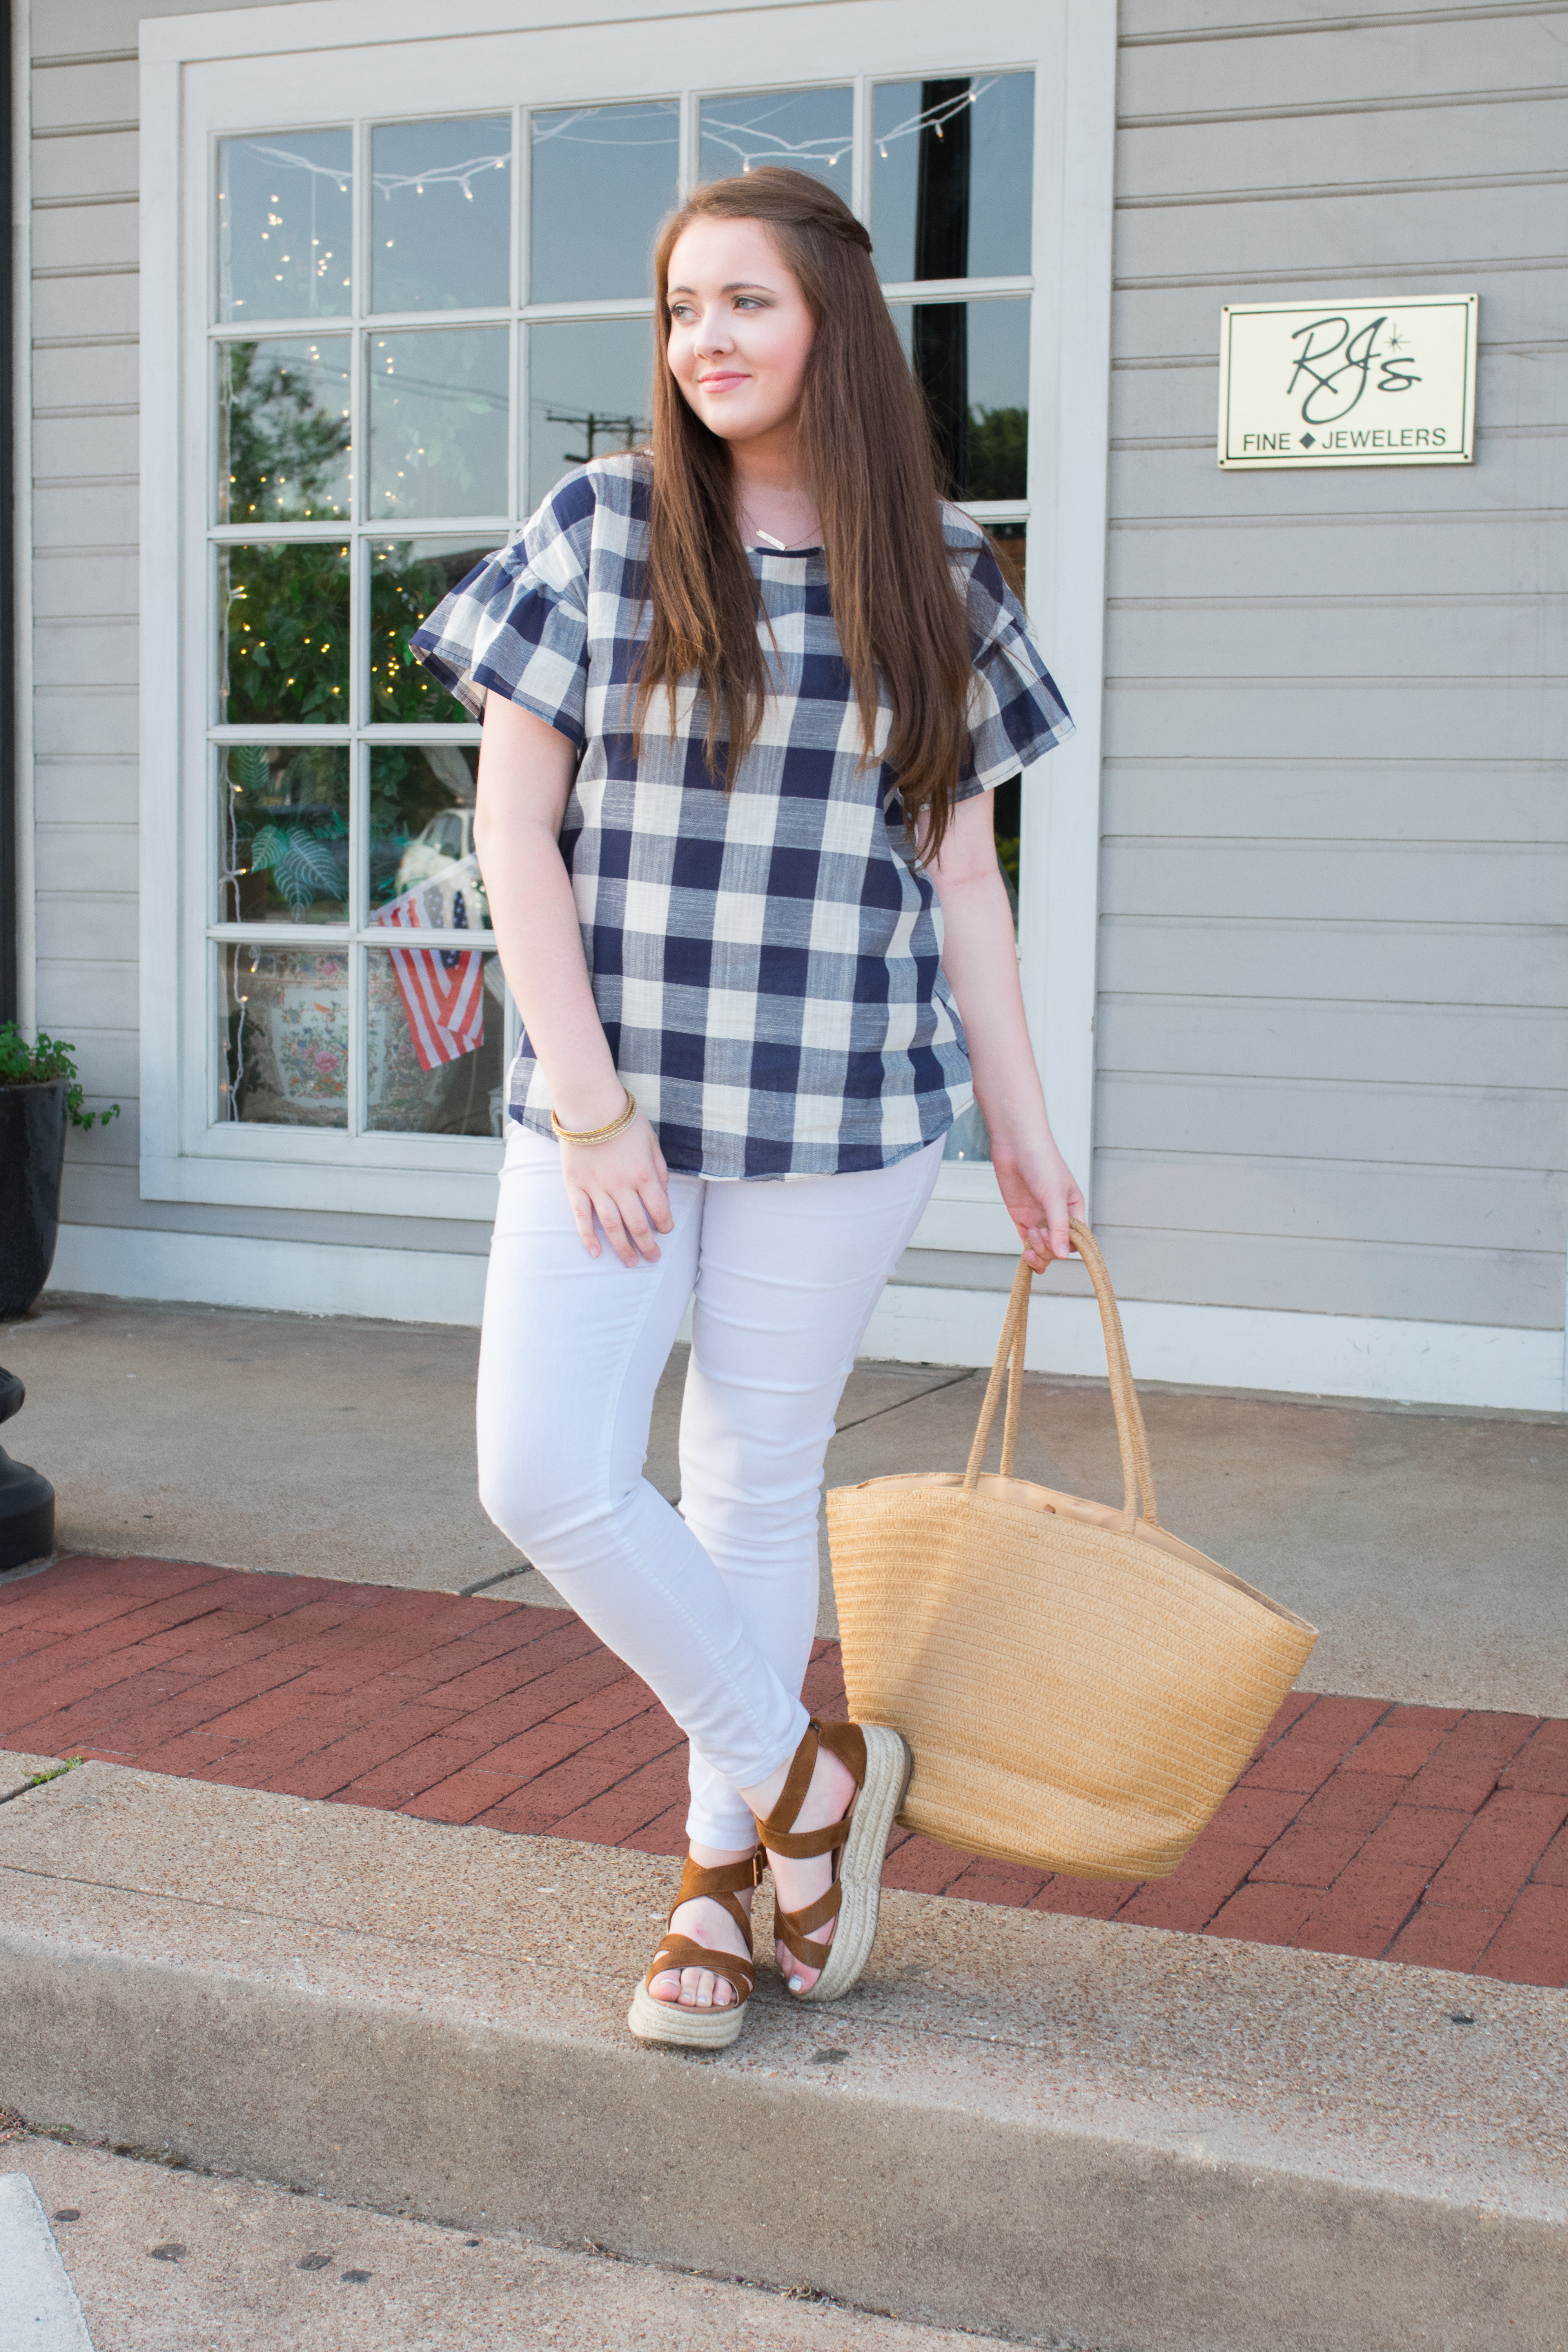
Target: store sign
1348,383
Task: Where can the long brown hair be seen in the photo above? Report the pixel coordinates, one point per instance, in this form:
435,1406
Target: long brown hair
868,454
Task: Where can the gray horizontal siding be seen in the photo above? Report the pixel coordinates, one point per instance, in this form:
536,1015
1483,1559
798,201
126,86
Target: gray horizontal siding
1360,67
1281,156
1514,552
1332,1056
1294,1037
1314,799
1157,318
1494,964
1462,1284
1436,638
1436,881
1465,1123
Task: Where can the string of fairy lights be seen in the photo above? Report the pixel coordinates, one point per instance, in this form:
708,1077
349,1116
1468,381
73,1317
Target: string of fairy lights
751,143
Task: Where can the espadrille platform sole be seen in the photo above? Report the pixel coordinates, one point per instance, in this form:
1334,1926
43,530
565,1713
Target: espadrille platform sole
686,2028
887,1768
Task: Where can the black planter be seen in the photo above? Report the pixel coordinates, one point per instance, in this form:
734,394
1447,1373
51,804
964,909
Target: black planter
31,1159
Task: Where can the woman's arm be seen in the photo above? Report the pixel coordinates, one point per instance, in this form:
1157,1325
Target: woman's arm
525,779
981,960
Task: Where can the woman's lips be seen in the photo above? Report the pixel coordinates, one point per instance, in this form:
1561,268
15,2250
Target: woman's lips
720,382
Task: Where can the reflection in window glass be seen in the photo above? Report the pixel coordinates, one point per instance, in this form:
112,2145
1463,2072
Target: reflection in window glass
284,430
951,170
973,361
440,215
284,633
603,177
1010,541
588,394
436,1036
810,130
283,833
408,578
422,836
439,404
283,1042
285,213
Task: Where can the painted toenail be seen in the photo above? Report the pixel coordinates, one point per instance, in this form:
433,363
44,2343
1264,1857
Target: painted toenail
796,1984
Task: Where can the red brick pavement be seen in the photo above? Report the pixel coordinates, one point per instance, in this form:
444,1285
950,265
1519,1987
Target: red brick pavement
1419,1834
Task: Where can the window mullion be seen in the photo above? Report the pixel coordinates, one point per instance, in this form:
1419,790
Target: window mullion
690,119
522,203
860,174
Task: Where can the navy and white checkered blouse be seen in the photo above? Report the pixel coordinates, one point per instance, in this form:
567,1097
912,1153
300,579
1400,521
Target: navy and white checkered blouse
766,961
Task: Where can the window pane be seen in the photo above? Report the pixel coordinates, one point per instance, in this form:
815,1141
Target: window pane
439,405
973,359
284,431
284,633
951,175
603,177
283,1042
1011,542
408,578
283,833
436,1032
1007,821
588,394
809,129
969,1138
423,870
285,215
440,215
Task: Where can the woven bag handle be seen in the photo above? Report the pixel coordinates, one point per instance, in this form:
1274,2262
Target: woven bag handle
1137,1470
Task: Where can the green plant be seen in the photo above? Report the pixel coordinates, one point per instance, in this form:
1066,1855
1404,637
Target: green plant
22,1065
37,1780
999,453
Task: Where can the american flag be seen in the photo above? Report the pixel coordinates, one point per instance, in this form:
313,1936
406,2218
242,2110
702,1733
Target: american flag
442,987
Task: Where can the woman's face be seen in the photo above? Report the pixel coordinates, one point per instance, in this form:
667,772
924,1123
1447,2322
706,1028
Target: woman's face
740,331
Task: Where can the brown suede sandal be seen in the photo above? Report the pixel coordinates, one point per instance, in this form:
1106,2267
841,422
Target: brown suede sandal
880,1762
702,2029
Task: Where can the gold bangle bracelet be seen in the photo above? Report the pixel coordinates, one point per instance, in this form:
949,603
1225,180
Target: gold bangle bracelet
598,1134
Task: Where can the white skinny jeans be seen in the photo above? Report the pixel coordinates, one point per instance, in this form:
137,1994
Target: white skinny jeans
714,1605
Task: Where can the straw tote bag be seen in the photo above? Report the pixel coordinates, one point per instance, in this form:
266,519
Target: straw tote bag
1078,1688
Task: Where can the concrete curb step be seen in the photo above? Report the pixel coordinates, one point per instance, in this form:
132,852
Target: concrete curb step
1092,2134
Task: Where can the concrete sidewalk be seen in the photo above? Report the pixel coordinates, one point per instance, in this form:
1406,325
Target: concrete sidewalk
181,2262
1427,1545
1018,2122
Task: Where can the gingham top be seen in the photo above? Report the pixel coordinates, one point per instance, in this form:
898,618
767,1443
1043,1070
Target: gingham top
766,961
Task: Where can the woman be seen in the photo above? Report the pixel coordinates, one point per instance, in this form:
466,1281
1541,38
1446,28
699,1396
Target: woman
744,697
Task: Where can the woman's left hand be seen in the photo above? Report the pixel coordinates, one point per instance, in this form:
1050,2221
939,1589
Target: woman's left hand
1040,1193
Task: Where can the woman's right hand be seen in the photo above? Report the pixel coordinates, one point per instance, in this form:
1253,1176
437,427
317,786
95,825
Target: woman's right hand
623,1184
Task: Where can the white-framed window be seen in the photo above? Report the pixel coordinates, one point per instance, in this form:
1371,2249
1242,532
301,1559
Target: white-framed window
394,289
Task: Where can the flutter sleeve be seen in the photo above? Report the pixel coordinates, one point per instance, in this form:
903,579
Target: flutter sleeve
1015,711
518,626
